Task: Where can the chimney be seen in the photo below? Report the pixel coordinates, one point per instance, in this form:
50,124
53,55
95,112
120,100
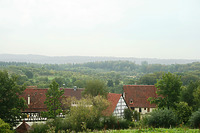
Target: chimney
124,95
29,99
75,88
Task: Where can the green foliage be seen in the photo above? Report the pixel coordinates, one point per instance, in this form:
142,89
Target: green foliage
88,111
4,127
112,122
190,95
150,79
29,74
10,104
195,119
94,88
110,83
39,128
162,118
183,112
52,101
168,88
79,83
196,95
128,114
60,81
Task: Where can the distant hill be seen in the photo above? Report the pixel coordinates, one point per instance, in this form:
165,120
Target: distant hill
84,59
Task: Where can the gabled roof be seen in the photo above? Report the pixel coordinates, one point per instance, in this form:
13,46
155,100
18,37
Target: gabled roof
139,94
113,100
69,92
23,128
37,98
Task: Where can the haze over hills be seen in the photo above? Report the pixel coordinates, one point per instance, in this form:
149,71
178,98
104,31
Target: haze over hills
84,59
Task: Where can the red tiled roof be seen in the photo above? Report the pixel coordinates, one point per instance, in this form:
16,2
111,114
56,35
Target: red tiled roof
113,99
23,128
139,95
69,92
37,98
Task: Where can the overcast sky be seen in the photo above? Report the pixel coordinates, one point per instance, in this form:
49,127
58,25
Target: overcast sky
168,29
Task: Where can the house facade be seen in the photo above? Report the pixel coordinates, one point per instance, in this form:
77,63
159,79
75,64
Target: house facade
36,97
35,100
136,97
117,105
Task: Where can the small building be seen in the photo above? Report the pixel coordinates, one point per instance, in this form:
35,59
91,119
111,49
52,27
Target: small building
23,128
35,98
136,97
117,105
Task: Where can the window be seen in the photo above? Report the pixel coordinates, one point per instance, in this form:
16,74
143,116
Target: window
144,108
132,108
140,110
131,101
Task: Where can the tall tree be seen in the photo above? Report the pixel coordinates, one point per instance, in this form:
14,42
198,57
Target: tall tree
94,88
168,91
52,101
10,102
189,93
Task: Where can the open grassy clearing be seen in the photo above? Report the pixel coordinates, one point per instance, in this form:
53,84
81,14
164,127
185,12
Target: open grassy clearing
153,130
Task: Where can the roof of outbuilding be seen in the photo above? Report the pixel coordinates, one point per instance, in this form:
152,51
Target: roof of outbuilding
23,128
139,94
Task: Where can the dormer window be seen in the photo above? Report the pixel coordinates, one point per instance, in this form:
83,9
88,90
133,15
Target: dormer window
131,101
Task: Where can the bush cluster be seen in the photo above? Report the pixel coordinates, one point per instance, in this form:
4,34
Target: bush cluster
162,118
195,119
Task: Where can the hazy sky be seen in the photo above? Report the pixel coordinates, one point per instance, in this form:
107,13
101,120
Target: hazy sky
123,28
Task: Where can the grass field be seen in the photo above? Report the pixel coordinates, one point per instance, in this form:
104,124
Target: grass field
153,130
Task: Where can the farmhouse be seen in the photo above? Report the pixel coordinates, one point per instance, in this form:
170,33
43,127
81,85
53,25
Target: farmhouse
136,97
36,97
117,105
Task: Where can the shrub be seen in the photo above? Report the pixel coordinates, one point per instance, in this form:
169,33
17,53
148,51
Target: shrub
39,128
112,122
88,113
195,119
183,112
123,124
128,114
61,124
162,118
4,127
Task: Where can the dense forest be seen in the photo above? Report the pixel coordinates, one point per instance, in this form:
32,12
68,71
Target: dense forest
115,74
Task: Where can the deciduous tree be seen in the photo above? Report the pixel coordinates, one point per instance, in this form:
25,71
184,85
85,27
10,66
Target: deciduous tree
168,91
53,103
94,88
10,102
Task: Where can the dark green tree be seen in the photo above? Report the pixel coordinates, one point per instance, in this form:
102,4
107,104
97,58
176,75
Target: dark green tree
183,112
94,88
60,81
110,83
128,114
53,97
29,74
168,91
189,94
10,102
